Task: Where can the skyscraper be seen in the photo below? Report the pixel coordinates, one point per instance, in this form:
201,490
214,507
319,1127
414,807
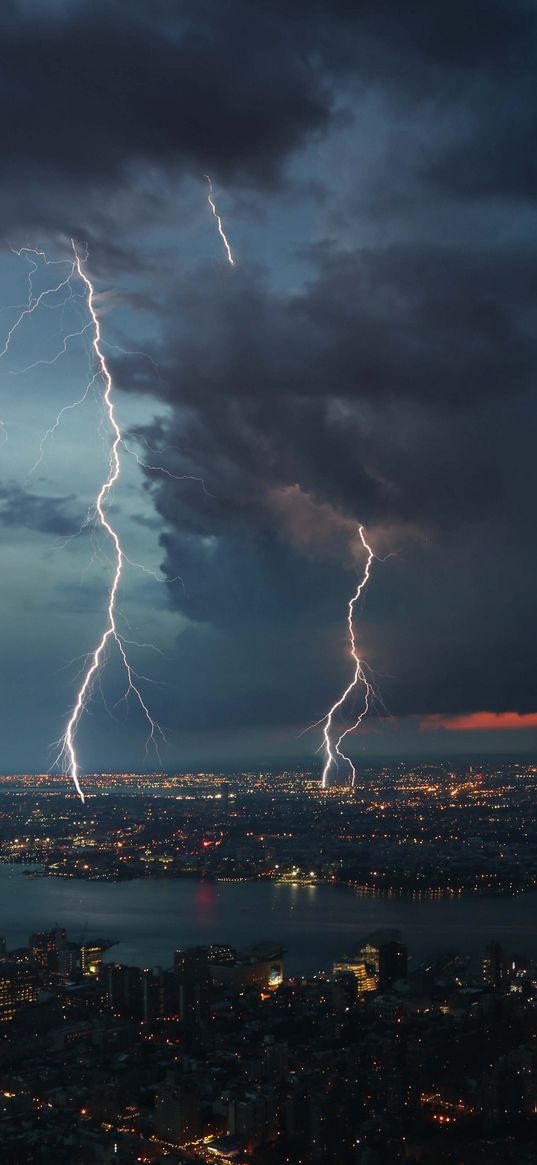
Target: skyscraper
193,981
393,961
18,986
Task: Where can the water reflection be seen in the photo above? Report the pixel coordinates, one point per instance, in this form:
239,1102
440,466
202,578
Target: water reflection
316,923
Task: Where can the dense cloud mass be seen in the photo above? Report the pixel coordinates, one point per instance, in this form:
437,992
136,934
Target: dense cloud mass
45,515
397,389
91,91
381,370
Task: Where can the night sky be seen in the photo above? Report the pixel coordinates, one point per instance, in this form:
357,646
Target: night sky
370,358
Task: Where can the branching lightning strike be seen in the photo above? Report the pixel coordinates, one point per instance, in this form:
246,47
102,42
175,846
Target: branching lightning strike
68,742
67,754
219,222
331,748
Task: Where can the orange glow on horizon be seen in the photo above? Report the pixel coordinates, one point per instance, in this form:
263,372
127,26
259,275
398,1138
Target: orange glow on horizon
480,722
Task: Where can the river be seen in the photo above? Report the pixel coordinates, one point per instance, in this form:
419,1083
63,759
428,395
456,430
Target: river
316,924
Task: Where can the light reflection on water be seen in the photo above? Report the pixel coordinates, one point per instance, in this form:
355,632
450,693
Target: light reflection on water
316,924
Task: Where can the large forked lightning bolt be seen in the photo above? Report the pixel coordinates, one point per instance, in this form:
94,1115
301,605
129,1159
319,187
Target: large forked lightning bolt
333,750
68,748
93,663
219,222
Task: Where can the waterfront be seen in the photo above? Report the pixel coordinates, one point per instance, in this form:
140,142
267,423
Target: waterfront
316,924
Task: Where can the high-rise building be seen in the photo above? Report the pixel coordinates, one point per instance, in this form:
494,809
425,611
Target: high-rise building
370,954
381,961
155,996
177,1113
18,986
253,1118
495,967
91,957
191,968
68,962
123,986
393,963
364,973
192,961
43,946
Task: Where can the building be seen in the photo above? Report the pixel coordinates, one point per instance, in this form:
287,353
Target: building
43,947
495,968
253,1118
123,987
370,953
393,963
260,966
18,987
69,966
381,961
193,979
364,973
177,1113
159,995
91,958
222,953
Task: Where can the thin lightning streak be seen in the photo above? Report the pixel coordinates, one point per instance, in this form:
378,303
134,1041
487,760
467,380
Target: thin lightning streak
26,252
166,472
50,432
131,352
68,746
152,573
219,222
93,661
34,304
62,351
332,751
152,646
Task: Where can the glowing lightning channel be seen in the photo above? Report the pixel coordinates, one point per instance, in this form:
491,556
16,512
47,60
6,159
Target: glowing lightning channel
34,302
219,222
74,404
332,751
68,747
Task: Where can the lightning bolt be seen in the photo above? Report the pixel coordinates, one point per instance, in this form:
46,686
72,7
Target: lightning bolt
332,750
219,222
110,633
91,672
36,301
50,432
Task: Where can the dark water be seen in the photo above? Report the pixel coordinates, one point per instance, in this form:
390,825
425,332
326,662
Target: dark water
316,924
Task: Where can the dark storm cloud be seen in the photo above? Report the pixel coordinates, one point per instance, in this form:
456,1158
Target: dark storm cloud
92,93
398,389
380,355
46,515
87,91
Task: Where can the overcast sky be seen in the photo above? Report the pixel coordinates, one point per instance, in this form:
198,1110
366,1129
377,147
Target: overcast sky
370,358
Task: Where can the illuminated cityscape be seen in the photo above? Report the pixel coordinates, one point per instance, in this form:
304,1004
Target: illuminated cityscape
425,830
225,1053
268,410
222,1056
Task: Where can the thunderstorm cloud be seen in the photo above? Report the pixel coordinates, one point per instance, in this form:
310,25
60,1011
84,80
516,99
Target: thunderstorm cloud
370,358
